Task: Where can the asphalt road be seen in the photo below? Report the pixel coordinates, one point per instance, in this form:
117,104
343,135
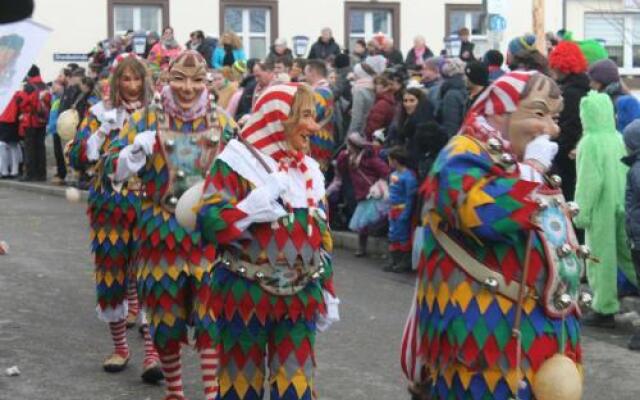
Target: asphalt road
49,330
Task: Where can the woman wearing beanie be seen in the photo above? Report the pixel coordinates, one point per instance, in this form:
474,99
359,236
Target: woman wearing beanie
477,74
568,67
453,96
522,55
605,78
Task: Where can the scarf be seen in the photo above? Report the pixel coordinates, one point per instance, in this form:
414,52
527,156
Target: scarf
172,108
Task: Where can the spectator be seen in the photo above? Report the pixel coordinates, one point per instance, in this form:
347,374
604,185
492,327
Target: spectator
57,91
280,51
34,103
342,95
432,80
364,168
600,191
494,61
237,73
402,197
359,52
632,206
568,67
393,55
522,55
229,52
605,78
282,65
10,153
203,45
152,39
322,140
453,96
325,48
466,48
264,77
165,50
363,92
222,86
383,109
296,74
418,53
477,74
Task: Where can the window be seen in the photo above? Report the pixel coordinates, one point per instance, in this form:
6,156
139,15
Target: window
364,20
465,16
255,22
620,34
137,15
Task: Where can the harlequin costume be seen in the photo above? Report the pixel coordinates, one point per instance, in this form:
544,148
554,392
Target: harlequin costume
483,213
263,209
323,141
113,212
170,148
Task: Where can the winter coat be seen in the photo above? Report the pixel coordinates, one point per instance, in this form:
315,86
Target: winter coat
411,60
600,191
370,169
452,104
632,192
433,93
33,109
248,86
321,50
9,122
381,114
574,87
402,197
495,73
206,48
394,57
273,56
218,57
422,137
466,51
363,98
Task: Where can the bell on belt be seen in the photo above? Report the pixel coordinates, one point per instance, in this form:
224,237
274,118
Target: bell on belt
564,250
574,208
260,275
172,201
180,174
558,379
507,158
242,270
494,144
584,251
491,284
170,144
556,181
563,301
542,204
586,299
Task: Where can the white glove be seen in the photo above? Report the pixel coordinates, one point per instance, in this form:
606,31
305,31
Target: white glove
261,205
94,143
144,142
542,150
323,322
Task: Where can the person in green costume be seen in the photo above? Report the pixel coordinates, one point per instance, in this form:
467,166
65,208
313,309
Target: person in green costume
600,194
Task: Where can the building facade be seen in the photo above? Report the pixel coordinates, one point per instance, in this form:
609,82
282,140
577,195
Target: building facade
79,24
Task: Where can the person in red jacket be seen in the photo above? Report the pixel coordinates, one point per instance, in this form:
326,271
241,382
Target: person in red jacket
10,154
384,107
34,102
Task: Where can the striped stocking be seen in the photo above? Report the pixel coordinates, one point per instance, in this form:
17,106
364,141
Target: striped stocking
132,297
172,369
209,361
119,336
151,356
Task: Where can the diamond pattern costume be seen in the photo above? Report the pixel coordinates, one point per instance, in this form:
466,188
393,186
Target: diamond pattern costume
323,141
477,220
272,278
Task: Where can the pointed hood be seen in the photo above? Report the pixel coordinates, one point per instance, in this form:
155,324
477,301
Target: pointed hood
597,114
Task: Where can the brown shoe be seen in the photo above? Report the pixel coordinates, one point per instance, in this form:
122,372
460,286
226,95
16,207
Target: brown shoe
131,320
115,363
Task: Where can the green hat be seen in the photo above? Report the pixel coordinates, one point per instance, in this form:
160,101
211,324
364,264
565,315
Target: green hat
593,50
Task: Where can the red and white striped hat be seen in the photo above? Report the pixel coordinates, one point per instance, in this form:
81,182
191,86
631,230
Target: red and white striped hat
504,95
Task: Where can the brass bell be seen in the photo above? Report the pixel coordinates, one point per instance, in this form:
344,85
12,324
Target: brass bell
564,250
507,158
316,275
491,284
556,181
563,301
173,201
574,208
260,275
226,263
242,270
584,251
586,299
170,144
180,174
494,144
193,140
542,204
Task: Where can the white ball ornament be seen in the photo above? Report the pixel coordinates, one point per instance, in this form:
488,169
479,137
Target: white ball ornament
558,379
185,214
72,194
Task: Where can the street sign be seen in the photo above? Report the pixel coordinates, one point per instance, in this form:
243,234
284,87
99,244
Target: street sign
70,57
497,23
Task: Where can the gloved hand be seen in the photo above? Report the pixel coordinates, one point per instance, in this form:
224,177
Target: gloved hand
542,150
108,121
324,322
261,205
94,143
144,142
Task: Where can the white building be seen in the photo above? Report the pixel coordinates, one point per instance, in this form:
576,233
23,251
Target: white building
79,24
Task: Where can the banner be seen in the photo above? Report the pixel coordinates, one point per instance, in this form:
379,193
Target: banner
20,43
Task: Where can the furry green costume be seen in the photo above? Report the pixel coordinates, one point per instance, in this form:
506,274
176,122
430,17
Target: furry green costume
600,194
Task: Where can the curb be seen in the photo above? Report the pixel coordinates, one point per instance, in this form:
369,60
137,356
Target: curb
342,240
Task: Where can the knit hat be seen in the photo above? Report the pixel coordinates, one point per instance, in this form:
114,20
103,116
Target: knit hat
493,58
280,42
33,71
342,60
604,72
522,43
593,50
631,136
452,67
377,63
627,110
567,58
504,94
477,73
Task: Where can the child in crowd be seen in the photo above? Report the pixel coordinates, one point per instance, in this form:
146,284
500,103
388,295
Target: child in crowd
402,192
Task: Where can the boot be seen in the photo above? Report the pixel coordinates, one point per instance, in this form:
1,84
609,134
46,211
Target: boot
599,320
362,246
393,261
404,262
634,341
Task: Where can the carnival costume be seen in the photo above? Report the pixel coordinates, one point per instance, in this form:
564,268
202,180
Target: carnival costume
170,148
402,192
323,141
263,208
113,213
499,267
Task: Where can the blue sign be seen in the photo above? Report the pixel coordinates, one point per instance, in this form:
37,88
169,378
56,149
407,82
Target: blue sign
497,23
70,57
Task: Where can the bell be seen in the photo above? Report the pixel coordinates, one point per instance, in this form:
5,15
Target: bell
316,275
172,201
242,270
574,208
212,97
584,251
563,301
564,250
558,379
180,174
491,284
170,144
507,158
586,299
226,263
321,270
542,204
556,181
260,275
494,144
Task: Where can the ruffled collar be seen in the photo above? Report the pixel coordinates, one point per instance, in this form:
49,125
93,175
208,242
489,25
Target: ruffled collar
171,106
